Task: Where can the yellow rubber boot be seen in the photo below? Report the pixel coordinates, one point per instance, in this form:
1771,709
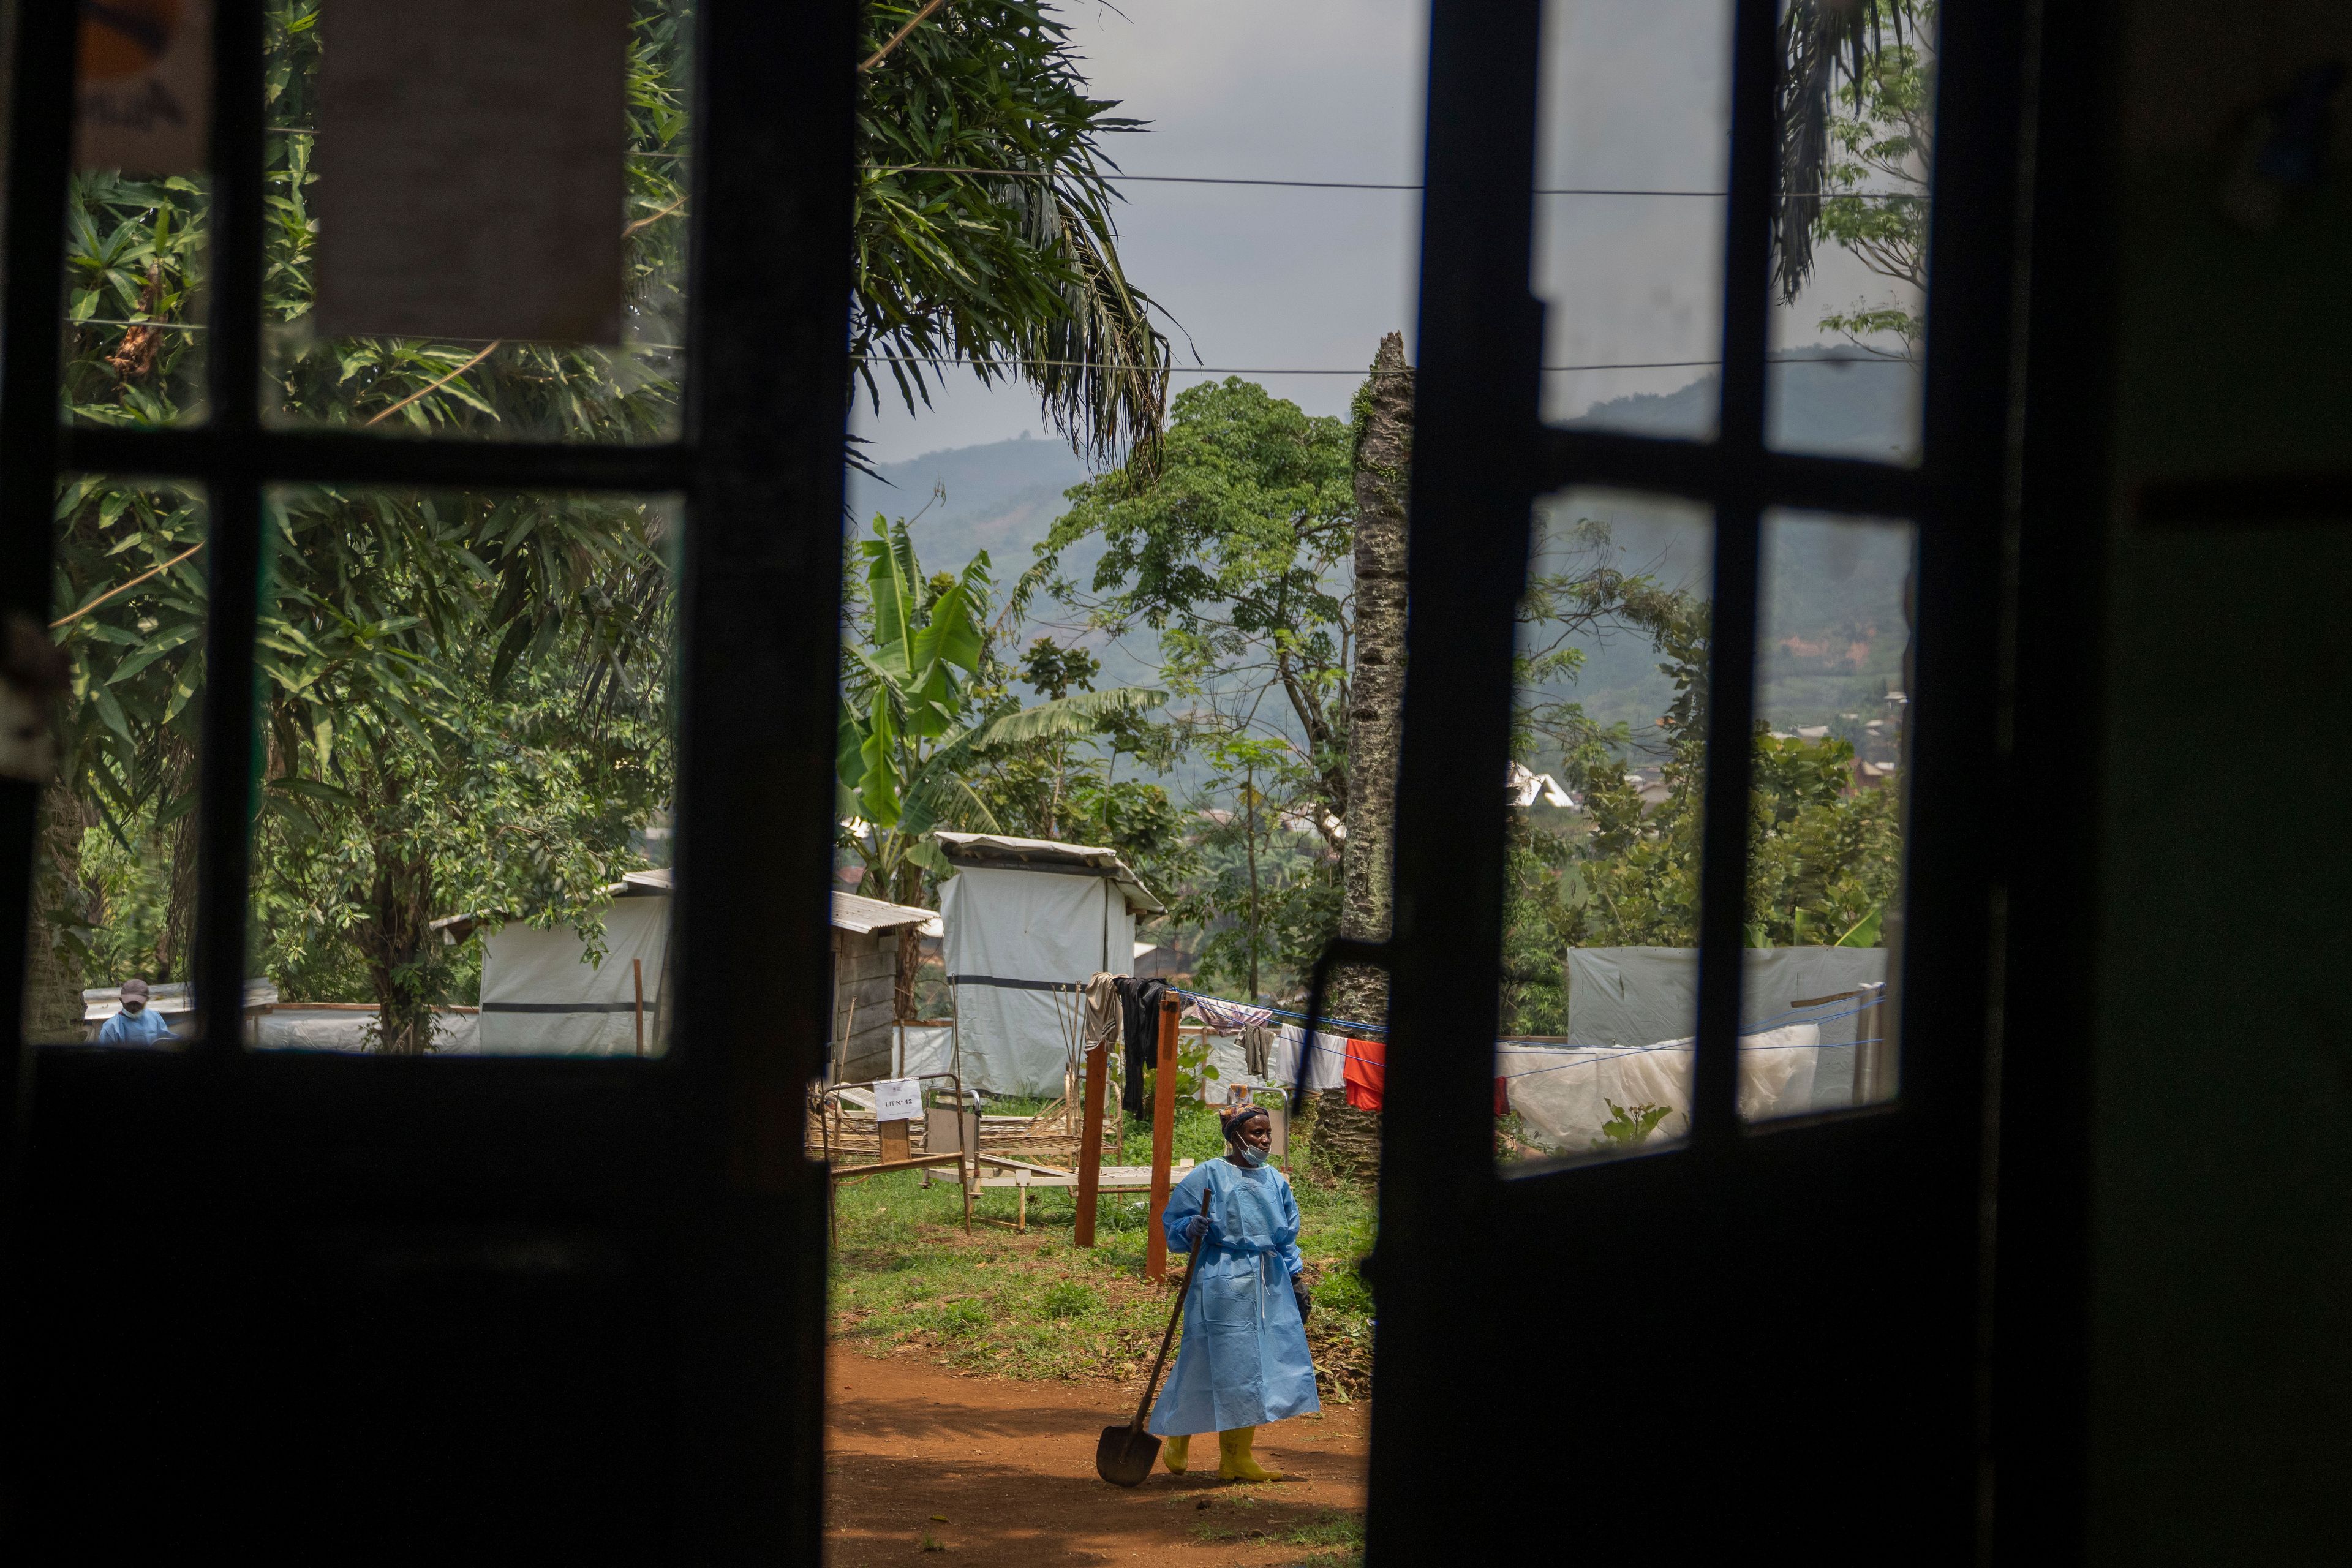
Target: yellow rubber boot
1176,1452
1233,1460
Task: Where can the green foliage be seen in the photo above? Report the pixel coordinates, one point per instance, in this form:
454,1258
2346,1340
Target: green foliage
1879,137
931,736
1069,1299
1824,857
1236,550
1629,1127
461,694
984,228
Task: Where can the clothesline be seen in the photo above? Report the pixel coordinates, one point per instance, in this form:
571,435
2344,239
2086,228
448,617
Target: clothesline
1346,1027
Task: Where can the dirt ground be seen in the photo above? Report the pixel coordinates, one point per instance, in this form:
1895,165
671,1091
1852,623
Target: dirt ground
993,1472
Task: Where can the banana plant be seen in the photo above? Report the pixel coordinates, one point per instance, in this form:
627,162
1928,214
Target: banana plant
912,726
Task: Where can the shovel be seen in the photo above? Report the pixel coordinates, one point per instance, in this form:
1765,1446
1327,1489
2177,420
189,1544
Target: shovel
1124,1454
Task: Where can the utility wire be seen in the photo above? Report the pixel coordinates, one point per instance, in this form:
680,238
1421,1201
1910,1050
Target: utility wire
1124,179
952,360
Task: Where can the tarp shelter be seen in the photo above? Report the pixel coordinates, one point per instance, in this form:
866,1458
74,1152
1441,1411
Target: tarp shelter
866,963
1028,920
1631,1013
543,996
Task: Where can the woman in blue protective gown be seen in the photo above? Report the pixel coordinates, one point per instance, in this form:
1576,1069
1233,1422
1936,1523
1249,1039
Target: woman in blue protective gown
1244,1361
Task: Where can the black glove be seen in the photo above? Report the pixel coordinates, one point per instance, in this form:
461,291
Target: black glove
1299,1288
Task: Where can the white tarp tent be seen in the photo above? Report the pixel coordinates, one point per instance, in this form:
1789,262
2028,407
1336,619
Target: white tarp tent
542,996
1028,920
1634,995
1562,1093
1631,1013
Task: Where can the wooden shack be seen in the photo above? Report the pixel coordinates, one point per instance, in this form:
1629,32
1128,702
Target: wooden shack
866,949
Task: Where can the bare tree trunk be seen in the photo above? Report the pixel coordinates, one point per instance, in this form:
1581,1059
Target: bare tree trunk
175,943
1376,695
1345,1140
53,973
399,931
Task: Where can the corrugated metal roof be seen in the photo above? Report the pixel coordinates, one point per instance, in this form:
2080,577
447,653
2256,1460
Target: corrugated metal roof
1002,849
853,912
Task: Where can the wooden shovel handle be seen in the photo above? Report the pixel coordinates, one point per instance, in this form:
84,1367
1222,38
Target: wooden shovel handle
1191,1266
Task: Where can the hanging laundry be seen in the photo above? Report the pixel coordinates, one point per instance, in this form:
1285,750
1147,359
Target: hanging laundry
1323,1060
1224,1018
1366,1072
1105,1018
1257,1051
1139,1007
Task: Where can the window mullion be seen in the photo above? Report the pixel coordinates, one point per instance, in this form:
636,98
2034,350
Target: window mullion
225,758
1723,881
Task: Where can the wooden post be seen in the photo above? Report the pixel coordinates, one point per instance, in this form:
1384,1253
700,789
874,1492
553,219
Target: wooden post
894,1141
637,979
1090,1141
1163,1140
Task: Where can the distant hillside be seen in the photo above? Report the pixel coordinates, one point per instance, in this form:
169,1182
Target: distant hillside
1834,628
1000,498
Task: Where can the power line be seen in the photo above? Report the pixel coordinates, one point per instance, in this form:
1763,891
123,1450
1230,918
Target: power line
1125,179
1115,179
955,360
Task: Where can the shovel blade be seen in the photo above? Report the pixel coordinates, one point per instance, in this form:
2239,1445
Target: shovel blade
1124,1455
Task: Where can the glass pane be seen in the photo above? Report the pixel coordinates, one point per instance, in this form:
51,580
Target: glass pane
1607,779
1631,165
462,841
489,390
1833,656
1851,280
114,877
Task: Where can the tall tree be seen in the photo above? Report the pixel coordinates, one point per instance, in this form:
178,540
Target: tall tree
1234,550
1822,41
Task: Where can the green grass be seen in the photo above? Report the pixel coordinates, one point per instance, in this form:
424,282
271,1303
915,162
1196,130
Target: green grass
1341,1533
905,1279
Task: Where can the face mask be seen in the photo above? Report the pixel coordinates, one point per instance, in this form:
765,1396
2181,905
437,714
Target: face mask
1248,1156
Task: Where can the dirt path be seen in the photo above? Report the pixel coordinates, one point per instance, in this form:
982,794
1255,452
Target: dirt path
999,1472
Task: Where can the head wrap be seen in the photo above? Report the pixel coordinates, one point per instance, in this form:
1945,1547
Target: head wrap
1236,1119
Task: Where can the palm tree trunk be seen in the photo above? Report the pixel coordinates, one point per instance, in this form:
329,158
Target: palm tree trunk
1376,694
1346,1142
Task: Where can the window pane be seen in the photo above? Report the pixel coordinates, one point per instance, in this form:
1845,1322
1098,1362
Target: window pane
1833,655
1631,167
463,840
114,878
478,388
1607,776
1850,285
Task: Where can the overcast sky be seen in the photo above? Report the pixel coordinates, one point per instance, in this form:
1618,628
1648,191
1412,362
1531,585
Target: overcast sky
1272,279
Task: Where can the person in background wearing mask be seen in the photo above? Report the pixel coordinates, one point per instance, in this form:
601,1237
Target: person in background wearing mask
1244,1359
137,1026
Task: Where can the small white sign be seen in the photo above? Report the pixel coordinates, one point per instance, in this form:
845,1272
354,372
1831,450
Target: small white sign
898,1100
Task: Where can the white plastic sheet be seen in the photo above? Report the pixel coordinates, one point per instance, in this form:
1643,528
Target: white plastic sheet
1561,1093
542,996
1010,932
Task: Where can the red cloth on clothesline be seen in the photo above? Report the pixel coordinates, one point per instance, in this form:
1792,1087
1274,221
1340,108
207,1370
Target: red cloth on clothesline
1366,1072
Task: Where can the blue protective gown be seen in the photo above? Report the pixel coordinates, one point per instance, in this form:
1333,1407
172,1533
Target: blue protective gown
142,1030
1244,1359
